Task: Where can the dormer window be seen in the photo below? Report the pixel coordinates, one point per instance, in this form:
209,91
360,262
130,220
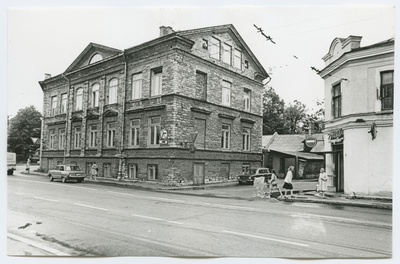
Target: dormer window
97,57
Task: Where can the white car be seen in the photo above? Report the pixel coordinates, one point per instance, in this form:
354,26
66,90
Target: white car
66,172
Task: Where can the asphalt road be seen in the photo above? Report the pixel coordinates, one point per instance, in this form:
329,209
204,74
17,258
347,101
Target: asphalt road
84,219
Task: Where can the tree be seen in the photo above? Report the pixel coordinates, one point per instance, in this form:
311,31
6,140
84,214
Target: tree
294,117
22,128
316,119
273,112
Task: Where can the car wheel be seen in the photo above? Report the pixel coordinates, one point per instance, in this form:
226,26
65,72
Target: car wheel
64,180
51,178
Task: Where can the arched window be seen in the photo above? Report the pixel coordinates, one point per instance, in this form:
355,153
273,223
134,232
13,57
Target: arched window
112,91
79,99
95,95
96,57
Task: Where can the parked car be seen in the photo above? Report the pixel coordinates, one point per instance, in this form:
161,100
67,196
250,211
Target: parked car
66,172
11,162
249,177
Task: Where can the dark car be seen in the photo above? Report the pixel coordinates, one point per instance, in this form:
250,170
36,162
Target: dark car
249,178
66,172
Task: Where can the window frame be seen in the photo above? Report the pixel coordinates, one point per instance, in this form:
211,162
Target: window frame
154,168
77,137
137,84
95,95
156,82
61,139
337,100
53,105
110,135
113,91
246,139
135,175
247,100
227,53
226,91
79,99
225,136
52,139
64,103
134,139
154,131
93,136
386,88
237,59
215,48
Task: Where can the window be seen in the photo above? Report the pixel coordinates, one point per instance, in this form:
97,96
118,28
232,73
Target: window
227,54
112,91
79,99
52,139
237,60
77,138
226,136
64,102
96,58
226,93
53,105
246,139
154,131
387,90
201,85
246,168
152,172
215,46
136,86
134,132
156,82
111,134
132,171
92,136
61,138
247,99
336,101
95,95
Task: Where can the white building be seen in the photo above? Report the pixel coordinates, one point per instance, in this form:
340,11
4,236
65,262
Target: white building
359,107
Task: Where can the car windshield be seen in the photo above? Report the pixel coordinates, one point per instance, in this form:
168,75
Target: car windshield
72,168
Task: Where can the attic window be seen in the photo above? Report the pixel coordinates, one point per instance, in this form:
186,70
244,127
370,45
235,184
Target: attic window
205,44
246,64
96,58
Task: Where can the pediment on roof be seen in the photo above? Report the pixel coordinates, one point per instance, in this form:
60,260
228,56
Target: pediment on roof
226,34
92,54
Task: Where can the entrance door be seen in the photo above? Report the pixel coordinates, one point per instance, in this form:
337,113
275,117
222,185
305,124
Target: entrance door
198,173
339,168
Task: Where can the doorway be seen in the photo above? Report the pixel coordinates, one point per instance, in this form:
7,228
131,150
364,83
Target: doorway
198,173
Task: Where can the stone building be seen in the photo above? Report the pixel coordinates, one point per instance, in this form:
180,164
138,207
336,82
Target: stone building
184,108
359,93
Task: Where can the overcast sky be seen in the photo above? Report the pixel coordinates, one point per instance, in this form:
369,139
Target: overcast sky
47,40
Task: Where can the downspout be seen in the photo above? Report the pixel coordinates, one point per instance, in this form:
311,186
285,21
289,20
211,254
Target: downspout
120,172
66,115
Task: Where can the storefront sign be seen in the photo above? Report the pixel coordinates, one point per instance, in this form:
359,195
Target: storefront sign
337,134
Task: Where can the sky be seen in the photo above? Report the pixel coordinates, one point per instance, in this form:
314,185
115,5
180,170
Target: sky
47,38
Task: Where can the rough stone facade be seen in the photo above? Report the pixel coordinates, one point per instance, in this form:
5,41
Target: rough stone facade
190,102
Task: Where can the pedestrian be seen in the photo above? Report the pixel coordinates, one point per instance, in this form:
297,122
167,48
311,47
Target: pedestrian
322,182
273,182
28,166
287,182
95,170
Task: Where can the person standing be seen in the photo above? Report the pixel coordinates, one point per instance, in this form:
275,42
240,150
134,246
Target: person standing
323,182
287,182
273,182
95,170
28,166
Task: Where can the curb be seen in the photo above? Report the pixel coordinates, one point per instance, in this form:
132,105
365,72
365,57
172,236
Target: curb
37,245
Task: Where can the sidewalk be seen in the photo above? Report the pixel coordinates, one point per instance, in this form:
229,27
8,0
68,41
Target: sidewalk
304,191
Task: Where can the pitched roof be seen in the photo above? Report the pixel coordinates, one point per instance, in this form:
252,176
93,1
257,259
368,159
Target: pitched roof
289,143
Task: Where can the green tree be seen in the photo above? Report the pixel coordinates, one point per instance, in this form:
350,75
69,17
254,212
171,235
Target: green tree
294,117
273,111
316,119
22,128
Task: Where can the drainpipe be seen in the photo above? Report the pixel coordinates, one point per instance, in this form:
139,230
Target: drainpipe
66,115
41,141
121,157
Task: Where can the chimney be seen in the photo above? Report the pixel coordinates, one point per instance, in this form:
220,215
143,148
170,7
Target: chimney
47,76
165,31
